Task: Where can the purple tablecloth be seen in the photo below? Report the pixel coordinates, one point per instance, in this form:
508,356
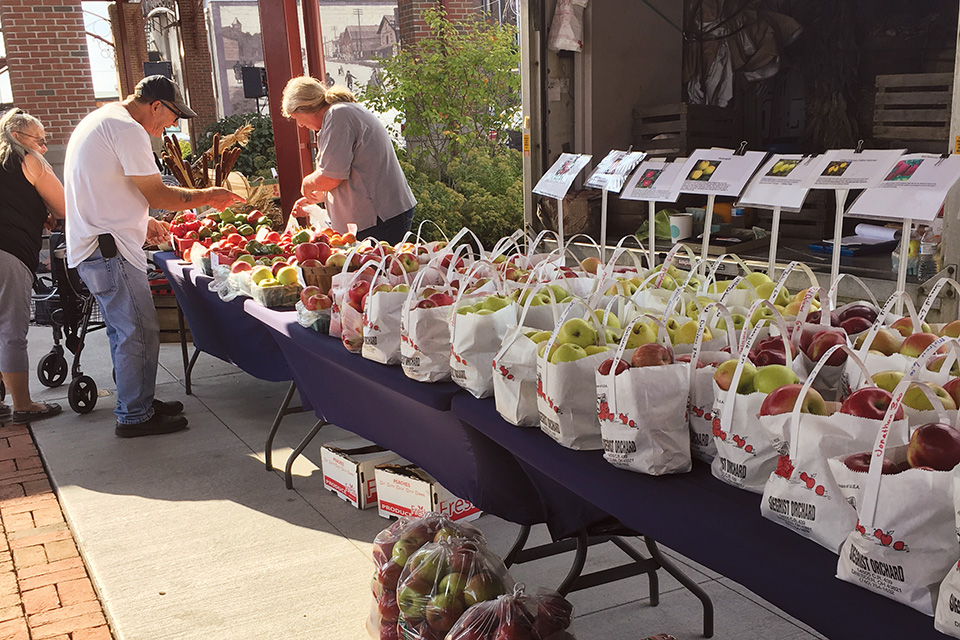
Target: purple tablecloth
220,328
715,525
410,418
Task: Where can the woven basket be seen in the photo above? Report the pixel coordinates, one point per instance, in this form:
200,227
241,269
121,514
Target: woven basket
581,213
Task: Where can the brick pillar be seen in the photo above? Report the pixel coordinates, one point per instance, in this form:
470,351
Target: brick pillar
410,24
132,51
49,66
197,71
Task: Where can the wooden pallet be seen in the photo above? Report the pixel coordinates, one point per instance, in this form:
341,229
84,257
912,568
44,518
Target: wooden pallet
675,130
913,110
166,306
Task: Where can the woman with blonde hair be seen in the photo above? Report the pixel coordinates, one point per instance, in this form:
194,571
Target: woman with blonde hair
31,196
358,176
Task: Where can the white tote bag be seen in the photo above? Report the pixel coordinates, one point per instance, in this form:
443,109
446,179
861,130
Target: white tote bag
424,338
905,541
381,316
642,413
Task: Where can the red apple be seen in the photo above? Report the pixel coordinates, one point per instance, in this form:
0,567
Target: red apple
952,386
822,342
442,299
240,265
623,365
855,324
861,462
311,264
651,354
905,326
307,251
389,574
426,304
782,400
686,357
358,291
859,310
869,402
935,445
307,293
814,318
915,343
443,611
768,356
387,605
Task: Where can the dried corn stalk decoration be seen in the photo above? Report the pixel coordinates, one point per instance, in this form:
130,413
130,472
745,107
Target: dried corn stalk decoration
221,157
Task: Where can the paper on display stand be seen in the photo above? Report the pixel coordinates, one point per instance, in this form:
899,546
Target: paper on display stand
840,169
718,172
914,188
654,181
557,180
779,183
613,170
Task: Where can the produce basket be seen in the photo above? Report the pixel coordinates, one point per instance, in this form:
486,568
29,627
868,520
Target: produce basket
181,244
279,296
318,276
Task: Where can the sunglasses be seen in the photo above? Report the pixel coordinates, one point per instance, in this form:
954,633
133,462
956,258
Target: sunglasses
172,109
42,141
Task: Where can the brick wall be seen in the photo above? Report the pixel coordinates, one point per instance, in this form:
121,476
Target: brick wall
411,26
48,58
197,72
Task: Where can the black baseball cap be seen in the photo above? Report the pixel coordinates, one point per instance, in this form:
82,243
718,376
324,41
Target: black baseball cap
165,90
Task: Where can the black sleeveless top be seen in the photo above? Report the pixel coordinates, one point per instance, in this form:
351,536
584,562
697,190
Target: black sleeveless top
22,214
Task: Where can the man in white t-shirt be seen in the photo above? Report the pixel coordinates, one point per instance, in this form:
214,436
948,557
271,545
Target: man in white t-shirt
111,181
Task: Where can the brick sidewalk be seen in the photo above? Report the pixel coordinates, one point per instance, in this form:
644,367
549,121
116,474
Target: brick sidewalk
45,593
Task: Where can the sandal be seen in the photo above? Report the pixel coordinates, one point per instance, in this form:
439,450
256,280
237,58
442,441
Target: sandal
25,417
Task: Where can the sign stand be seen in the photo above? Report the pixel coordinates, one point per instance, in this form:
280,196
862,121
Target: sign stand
774,235
707,226
603,225
902,266
652,233
841,195
560,224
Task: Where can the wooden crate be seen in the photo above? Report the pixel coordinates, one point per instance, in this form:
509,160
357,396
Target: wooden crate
913,111
166,306
675,130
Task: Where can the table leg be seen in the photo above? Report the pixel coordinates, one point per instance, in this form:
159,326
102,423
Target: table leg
517,548
288,471
683,579
187,366
284,410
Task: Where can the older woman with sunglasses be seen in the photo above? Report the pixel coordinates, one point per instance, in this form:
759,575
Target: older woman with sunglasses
30,194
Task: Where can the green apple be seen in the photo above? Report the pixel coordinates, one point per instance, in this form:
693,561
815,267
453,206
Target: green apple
287,275
611,318
594,349
559,292
577,331
887,380
540,336
765,290
759,314
724,376
687,333
672,325
494,303
739,320
452,583
260,273
268,282
465,309
540,299
249,259
643,332
568,352
612,336
757,278
401,288
669,283
915,398
484,312
773,376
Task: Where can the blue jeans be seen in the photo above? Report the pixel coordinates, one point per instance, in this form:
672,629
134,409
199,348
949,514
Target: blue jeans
132,327
391,230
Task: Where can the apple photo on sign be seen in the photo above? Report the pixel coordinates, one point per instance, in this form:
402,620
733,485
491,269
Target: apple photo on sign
835,169
904,170
782,168
703,170
649,177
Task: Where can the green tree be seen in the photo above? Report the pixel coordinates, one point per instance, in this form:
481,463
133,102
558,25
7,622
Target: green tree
453,88
259,156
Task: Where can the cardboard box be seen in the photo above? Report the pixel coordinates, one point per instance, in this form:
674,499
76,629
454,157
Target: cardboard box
404,489
348,469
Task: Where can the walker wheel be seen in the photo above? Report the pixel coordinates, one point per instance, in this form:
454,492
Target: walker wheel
52,369
3,391
82,394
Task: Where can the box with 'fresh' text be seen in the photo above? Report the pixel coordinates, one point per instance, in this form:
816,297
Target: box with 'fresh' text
348,469
404,489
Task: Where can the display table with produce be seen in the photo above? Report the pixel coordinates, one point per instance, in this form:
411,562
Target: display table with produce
409,418
220,328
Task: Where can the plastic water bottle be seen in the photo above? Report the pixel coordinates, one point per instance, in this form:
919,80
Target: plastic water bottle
927,260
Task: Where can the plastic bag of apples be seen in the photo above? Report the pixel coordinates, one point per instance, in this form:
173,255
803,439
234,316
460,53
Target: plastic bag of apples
904,541
642,404
443,579
391,549
544,616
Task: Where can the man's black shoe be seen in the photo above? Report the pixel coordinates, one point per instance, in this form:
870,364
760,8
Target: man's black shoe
172,408
156,425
